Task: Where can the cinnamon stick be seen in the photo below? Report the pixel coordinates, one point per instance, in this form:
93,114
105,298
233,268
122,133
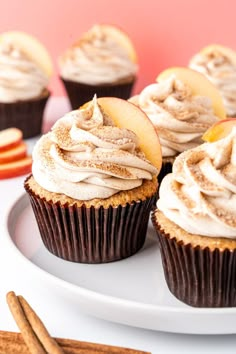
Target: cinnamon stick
13,343
49,344
31,340
35,339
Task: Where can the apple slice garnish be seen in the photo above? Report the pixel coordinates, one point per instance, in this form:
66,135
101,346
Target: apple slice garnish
117,34
219,130
32,48
199,84
16,168
126,115
13,154
10,138
225,51
122,38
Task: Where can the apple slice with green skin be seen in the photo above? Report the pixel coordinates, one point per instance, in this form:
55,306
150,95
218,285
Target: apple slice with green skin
225,51
31,47
13,154
16,168
126,115
10,138
219,130
199,84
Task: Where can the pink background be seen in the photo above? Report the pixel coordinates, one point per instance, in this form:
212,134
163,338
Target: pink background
165,33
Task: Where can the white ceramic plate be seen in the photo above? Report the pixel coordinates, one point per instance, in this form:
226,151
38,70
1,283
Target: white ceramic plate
132,291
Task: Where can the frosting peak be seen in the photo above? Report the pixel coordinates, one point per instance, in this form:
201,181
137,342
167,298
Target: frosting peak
85,156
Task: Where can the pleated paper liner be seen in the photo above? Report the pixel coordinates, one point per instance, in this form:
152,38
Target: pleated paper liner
79,93
91,235
167,163
24,115
198,276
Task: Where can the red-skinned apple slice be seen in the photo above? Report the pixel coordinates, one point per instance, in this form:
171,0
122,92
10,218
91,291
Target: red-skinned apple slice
13,154
199,84
219,130
16,168
127,115
32,48
10,138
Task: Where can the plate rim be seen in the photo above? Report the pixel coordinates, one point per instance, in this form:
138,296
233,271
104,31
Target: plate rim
104,298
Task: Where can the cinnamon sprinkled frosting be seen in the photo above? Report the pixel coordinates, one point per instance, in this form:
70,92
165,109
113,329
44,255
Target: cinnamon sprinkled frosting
200,194
85,156
97,58
20,77
221,71
180,118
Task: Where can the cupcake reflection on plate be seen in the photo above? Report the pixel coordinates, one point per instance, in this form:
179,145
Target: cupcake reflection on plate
25,69
103,61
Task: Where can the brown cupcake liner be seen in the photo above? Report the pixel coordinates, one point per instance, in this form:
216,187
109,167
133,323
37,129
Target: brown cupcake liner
91,235
79,93
165,169
24,115
198,276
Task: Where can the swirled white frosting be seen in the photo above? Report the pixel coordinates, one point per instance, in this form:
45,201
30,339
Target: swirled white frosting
221,71
180,118
97,59
20,78
200,194
85,157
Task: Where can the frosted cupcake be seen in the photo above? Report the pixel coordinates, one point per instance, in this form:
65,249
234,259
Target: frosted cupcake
182,105
196,222
25,68
94,182
218,64
102,62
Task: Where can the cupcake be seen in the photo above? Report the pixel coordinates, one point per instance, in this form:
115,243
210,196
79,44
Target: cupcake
102,62
218,64
94,182
182,105
195,221
25,68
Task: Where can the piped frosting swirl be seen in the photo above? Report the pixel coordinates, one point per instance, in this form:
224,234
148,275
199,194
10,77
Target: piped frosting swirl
180,117
85,156
200,194
221,71
20,78
97,58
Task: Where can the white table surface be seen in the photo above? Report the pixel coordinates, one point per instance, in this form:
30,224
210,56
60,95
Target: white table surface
62,319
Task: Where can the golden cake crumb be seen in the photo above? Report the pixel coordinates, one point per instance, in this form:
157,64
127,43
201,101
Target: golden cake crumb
174,231
146,190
